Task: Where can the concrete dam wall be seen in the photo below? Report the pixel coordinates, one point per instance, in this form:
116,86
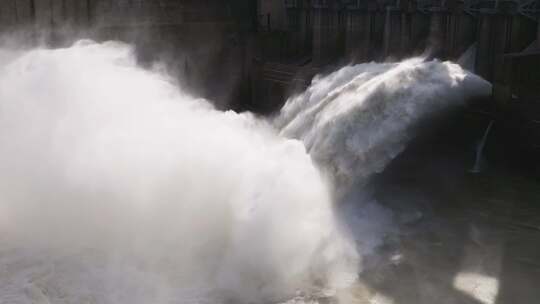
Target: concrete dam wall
270,48
362,31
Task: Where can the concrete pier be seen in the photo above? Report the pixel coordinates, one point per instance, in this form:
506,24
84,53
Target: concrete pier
16,13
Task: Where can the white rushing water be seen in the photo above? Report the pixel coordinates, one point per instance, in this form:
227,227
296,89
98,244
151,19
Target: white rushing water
354,121
116,187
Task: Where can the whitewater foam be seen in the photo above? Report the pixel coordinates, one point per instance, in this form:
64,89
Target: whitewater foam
357,119
117,187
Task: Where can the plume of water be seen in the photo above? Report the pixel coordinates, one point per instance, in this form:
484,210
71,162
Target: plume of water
116,187
467,60
357,119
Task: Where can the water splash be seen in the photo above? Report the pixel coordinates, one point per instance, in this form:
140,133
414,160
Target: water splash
354,121
117,187
467,60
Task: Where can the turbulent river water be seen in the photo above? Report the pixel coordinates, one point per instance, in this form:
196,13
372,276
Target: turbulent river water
118,187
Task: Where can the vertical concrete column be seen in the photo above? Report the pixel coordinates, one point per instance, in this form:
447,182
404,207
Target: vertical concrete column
387,41
483,45
293,33
451,36
538,34
58,12
392,32
304,31
325,35
351,34
332,35
499,34
406,45
366,23
405,7
459,34
419,30
522,33
44,13
3,21
317,35
3,15
76,13
22,11
437,35
8,13
463,32
358,35
493,40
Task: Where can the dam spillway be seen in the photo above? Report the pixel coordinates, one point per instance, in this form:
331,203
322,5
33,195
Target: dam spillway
268,152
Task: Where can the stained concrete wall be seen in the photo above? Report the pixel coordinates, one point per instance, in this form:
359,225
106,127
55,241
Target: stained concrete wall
276,11
77,12
451,33
16,12
24,11
326,36
60,13
404,33
394,30
438,31
44,13
7,13
377,34
538,33
299,33
359,40
460,33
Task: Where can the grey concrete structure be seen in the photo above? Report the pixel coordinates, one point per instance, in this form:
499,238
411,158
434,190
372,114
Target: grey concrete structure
378,30
301,35
327,24
360,41
500,34
359,31
16,12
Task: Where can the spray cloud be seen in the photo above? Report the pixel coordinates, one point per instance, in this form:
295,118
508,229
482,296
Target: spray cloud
117,187
122,189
